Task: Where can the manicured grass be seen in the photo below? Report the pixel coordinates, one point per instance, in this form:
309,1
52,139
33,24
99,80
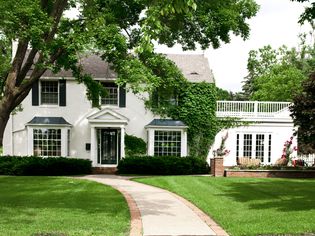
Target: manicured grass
244,206
60,206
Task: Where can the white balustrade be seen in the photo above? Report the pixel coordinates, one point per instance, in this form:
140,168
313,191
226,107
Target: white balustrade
253,109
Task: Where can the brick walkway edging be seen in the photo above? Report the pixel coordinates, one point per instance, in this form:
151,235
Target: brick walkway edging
135,216
203,216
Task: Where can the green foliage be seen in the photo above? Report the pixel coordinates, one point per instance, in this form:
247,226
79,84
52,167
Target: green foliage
195,106
280,84
197,109
224,95
5,57
134,145
309,12
277,75
303,114
162,165
33,165
112,29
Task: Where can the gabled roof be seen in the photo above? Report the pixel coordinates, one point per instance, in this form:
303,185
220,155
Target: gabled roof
40,120
92,65
107,115
194,67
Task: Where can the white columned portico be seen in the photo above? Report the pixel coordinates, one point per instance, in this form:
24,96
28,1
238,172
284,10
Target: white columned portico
184,143
113,122
93,146
122,141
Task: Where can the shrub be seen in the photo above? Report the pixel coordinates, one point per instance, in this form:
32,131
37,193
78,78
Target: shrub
134,145
162,165
50,166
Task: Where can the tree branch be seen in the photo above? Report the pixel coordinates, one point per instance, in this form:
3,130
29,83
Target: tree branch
27,66
38,72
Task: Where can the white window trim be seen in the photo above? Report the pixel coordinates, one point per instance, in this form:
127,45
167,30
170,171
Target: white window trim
40,94
150,148
118,93
93,151
64,140
253,151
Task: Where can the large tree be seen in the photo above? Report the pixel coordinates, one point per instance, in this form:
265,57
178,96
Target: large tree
303,114
120,31
309,12
277,74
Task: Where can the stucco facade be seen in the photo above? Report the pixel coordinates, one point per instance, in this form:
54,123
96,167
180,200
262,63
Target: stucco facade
87,132
58,120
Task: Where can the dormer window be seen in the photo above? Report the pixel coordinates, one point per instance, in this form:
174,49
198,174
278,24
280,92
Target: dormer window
112,94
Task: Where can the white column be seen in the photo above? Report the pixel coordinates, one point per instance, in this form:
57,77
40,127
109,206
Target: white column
184,143
122,142
64,141
150,142
93,146
30,151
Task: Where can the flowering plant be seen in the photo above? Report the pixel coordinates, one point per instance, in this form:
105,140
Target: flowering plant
287,149
222,151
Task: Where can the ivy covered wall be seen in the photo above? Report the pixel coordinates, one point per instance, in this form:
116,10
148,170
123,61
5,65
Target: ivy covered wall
195,105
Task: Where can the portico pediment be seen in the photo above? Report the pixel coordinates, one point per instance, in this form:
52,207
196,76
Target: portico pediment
107,115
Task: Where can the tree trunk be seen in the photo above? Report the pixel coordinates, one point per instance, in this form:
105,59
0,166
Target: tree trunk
4,118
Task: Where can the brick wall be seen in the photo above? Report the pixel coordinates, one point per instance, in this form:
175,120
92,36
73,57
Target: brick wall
217,168
104,170
271,173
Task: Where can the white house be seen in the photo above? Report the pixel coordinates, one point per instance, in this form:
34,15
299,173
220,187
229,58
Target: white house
268,125
58,120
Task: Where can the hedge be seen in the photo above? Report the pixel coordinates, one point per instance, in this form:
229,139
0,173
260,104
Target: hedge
45,166
162,165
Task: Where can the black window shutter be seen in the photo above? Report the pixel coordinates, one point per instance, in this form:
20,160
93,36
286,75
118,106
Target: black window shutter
62,93
35,94
122,96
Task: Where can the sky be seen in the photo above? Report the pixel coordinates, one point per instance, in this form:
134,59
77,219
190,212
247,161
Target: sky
276,24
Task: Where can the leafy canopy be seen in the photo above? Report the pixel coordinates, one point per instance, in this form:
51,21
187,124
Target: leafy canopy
114,29
277,74
303,114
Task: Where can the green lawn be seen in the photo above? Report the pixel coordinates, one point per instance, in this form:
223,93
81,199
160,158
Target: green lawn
244,206
53,206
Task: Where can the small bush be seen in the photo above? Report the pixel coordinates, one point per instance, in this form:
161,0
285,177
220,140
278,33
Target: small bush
134,146
162,165
50,166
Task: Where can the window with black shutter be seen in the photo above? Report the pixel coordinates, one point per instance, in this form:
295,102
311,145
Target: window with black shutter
122,96
49,92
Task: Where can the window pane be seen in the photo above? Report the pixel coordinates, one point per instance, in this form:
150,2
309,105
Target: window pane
112,94
49,92
48,144
167,143
247,145
260,146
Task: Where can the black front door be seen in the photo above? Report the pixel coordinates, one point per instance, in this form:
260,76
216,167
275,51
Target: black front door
107,146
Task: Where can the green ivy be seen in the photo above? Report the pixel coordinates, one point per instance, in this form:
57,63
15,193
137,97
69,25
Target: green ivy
196,107
134,145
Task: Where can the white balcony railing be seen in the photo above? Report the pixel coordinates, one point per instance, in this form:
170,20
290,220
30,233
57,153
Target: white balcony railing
253,109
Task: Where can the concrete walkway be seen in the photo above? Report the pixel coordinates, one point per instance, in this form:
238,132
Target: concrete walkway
162,213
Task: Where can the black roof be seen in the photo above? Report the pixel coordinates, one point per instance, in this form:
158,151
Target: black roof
166,122
37,120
